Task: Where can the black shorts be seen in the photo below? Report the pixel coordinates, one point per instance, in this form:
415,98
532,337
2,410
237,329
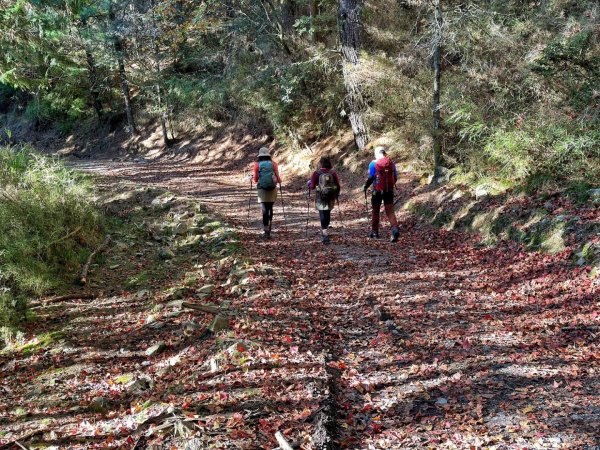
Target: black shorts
378,197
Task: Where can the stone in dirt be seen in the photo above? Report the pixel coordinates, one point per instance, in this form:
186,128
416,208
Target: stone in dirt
181,228
99,404
219,323
238,289
163,201
190,328
481,192
206,289
594,194
166,253
194,444
155,349
139,386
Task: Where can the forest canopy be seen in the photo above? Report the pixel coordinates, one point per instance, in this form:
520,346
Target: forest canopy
518,93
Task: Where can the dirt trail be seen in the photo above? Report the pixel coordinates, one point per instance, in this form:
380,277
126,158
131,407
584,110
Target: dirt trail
432,342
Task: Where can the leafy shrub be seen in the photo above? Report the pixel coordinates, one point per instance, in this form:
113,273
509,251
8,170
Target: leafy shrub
48,222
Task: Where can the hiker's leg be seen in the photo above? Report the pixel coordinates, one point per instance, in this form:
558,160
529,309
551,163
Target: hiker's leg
325,217
267,213
376,200
270,207
388,201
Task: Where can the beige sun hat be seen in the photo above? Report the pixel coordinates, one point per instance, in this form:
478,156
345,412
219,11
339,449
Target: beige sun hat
264,151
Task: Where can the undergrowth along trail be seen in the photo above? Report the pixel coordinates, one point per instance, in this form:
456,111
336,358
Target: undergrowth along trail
433,342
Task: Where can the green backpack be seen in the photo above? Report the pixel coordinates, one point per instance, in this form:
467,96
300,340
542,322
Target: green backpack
266,176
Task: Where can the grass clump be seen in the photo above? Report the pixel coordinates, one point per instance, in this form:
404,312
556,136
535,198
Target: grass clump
48,223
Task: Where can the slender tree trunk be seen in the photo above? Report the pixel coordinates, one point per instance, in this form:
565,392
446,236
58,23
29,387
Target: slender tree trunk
161,110
437,75
349,24
92,74
118,48
313,14
287,16
278,13
125,86
230,39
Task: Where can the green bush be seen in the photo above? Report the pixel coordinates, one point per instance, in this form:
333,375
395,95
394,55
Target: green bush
48,222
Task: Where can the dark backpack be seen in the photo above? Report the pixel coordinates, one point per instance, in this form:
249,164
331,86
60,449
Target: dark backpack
266,176
384,175
327,187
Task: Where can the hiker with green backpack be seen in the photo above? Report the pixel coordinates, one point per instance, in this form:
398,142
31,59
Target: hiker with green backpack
327,186
383,177
266,176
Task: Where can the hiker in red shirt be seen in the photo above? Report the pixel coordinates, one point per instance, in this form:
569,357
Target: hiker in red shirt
327,185
266,176
383,177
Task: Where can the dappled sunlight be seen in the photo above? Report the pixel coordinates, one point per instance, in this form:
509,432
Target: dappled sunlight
432,341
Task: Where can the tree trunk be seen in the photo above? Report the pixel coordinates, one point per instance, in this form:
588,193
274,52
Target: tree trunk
162,114
118,48
125,86
92,75
313,15
161,110
287,16
229,39
349,24
437,75
279,13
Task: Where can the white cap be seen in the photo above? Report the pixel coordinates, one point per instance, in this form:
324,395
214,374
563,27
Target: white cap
379,151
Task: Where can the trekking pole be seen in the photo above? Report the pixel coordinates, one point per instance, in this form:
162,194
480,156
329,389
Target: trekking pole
249,195
367,207
337,199
307,210
249,200
283,206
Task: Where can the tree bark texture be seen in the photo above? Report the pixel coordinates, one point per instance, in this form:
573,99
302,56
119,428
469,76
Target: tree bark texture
349,25
162,116
437,75
94,88
118,48
313,10
287,16
92,75
125,86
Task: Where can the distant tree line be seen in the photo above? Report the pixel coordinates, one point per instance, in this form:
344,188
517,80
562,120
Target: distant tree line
476,84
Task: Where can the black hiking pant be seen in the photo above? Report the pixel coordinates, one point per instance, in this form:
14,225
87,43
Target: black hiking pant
267,213
325,217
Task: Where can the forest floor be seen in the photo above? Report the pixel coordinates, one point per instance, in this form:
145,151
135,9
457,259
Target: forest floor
435,341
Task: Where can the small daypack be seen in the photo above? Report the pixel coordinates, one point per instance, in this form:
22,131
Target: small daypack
384,175
266,176
327,187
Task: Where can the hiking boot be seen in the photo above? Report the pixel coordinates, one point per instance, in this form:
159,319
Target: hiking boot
325,239
395,234
374,234
267,232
